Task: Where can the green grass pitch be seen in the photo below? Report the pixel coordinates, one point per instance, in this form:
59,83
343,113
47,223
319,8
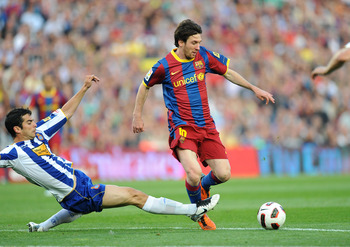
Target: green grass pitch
317,207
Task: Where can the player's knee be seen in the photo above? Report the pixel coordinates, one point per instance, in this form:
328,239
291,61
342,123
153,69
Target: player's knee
193,177
224,178
224,175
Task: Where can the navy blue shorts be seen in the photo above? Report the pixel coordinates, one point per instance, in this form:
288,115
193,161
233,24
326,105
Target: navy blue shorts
86,197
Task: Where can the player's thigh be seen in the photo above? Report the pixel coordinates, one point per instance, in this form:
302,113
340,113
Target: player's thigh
221,168
188,160
116,196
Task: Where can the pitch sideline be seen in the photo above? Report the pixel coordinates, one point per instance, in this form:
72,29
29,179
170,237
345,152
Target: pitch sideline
189,228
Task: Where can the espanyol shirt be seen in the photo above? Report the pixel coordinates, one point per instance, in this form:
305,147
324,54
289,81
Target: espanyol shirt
34,160
184,87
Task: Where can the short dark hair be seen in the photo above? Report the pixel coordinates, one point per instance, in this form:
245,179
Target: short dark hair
14,118
185,29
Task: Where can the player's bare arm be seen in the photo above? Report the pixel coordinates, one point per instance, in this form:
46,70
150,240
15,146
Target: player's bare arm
70,107
137,122
335,63
237,79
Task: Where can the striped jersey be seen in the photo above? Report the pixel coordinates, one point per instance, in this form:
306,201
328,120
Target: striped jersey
184,87
34,160
47,102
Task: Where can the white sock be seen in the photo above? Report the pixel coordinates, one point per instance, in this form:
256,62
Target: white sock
166,206
62,216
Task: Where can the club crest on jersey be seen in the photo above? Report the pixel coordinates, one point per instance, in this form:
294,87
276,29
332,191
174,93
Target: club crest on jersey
95,187
198,64
150,72
41,150
39,136
216,54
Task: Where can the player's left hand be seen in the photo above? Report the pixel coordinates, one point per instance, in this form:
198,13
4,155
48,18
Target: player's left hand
263,95
320,70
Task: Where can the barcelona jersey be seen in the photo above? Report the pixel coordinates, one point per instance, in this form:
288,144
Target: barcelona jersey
184,87
47,102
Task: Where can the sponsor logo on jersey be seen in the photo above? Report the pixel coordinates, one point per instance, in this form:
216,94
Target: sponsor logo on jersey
46,119
198,64
201,76
189,80
41,150
174,73
150,72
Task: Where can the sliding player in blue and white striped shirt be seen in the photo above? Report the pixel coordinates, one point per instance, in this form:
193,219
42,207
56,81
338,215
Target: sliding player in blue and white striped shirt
30,156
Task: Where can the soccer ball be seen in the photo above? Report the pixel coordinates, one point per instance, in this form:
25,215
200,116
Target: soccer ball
271,216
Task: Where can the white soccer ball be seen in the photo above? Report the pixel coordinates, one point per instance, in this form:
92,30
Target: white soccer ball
271,216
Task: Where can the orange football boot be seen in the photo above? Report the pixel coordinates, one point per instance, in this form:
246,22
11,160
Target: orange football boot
206,224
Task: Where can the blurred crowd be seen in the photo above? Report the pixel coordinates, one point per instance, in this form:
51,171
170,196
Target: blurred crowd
274,44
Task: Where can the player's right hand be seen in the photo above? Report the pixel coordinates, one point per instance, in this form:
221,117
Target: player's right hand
137,125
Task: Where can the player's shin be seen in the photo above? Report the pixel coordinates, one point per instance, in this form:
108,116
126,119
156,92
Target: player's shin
62,216
166,206
194,192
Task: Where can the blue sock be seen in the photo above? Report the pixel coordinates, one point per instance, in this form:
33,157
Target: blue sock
194,192
210,180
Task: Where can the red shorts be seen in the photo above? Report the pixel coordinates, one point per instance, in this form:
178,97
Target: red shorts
205,142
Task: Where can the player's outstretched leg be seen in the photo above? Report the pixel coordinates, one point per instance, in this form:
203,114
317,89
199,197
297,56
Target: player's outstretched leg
62,216
122,196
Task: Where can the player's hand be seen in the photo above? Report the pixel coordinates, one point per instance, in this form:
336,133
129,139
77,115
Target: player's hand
263,95
320,70
137,125
89,79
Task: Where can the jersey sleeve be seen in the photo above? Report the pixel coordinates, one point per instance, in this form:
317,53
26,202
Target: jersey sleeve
52,124
6,155
218,64
155,75
347,45
32,102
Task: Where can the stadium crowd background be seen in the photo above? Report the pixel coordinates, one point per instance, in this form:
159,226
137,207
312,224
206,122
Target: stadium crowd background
274,44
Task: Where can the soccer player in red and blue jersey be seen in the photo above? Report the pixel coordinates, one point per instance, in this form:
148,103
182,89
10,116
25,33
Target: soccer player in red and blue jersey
192,129
46,101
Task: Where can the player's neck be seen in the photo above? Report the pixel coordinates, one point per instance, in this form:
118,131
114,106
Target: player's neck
180,53
21,138
18,139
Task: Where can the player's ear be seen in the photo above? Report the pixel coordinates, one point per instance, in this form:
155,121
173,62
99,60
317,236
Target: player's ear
17,129
181,43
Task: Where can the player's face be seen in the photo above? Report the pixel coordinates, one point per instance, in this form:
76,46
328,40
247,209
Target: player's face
28,127
191,47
